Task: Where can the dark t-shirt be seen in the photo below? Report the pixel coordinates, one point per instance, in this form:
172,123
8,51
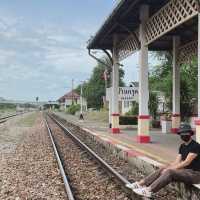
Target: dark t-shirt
193,147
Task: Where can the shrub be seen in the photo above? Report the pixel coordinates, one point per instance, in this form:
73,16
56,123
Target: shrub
155,124
73,109
128,120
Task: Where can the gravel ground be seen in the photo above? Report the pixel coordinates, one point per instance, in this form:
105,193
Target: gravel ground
11,134
118,164
28,170
88,180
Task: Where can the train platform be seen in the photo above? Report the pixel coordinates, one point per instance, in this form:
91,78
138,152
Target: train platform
162,149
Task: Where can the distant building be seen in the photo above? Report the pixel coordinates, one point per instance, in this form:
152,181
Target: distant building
72,98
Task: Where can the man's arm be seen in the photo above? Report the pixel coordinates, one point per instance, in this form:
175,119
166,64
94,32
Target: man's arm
185,163
176,161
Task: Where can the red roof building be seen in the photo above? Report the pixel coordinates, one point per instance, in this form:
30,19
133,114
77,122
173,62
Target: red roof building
69,96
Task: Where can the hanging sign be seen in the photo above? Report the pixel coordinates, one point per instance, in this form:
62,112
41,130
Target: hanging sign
124,94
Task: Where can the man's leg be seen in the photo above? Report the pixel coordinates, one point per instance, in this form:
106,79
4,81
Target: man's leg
151,178
183,175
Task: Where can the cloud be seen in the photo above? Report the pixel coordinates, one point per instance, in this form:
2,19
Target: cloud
41,59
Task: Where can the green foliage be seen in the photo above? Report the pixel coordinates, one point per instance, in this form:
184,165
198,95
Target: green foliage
189,85
153,104
5,106
160,79
128,120
134,109
73,109
94,88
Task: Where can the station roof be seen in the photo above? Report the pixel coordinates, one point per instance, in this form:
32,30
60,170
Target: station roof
126,14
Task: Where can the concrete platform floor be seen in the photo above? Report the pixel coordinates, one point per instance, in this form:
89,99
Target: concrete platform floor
163,147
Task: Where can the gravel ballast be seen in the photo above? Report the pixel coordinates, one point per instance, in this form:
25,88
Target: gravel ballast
88,179
31,171
120,165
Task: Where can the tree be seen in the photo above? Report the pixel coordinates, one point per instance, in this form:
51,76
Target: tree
94,89
153,104
161,80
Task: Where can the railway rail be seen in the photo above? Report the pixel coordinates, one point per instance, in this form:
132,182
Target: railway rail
90,163
4,119
124,168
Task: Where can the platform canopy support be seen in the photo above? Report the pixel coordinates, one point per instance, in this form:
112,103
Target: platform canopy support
143,118
176,86
198,121
115,88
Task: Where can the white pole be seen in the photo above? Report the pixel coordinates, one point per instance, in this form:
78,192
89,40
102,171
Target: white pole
143,62
199,65
115,88
143,118
176,86
81,98
198,54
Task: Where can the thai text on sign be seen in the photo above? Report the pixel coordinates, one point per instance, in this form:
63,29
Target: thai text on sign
125,94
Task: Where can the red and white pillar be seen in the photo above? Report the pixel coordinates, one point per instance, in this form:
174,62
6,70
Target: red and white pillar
143,118
115,89
176,119
198,121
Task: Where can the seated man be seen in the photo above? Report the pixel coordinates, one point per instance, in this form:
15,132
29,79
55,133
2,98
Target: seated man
186,167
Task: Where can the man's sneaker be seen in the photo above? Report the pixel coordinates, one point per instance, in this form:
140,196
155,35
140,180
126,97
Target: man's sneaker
143,191
133,186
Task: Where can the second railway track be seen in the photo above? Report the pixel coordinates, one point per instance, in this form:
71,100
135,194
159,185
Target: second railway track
90,177
4,119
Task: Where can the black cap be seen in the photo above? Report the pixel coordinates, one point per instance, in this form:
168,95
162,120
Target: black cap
185,129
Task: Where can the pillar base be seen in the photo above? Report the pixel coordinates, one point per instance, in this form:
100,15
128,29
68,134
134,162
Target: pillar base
176,120
115,123
143,139
115,130
143,129
174,130
197,122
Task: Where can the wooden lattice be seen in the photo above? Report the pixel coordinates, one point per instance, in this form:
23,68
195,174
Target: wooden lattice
169,17
128,46
187,52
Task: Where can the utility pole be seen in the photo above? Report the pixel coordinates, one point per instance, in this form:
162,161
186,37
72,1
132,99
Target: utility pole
72,91
81,114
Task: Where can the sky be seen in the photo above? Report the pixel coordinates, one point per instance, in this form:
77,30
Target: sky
43,46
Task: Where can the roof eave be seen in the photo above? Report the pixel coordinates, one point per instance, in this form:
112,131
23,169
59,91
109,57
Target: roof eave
107,21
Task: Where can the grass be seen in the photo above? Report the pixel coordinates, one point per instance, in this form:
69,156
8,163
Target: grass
6,111
27,121
101,116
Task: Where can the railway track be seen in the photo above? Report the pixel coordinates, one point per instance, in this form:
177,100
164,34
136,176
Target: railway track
88,175
4,119
124,168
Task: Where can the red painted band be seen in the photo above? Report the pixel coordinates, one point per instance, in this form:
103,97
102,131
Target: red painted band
115,114
132,153
115,130
143,139
197,122
174,130
194,115
176,115
144,117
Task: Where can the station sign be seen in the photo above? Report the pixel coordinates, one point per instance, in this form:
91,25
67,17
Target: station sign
124,94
